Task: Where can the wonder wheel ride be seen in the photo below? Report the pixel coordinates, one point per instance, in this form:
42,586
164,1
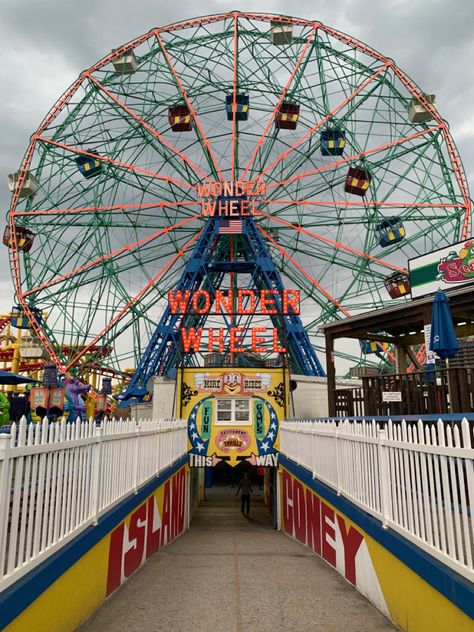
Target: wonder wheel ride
345,161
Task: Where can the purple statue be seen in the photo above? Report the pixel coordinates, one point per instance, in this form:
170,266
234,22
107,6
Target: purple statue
74,404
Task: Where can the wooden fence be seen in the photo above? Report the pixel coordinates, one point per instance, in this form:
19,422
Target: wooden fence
420,393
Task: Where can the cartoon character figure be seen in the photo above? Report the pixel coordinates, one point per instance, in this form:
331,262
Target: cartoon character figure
467,257
4,409
232,383
74,404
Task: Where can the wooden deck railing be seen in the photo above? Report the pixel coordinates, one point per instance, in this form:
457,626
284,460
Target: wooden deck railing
449,390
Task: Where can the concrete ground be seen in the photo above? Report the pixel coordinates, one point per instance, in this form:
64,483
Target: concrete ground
235,574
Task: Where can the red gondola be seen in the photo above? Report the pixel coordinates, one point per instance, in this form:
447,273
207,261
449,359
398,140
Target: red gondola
397,285
357,181
287,116
180,118
24,238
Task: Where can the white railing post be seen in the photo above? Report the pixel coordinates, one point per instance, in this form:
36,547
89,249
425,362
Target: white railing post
5,441
137,457
96,474
336,441
384,476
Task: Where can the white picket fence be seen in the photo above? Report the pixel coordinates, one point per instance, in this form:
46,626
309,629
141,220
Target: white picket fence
56,479
417,479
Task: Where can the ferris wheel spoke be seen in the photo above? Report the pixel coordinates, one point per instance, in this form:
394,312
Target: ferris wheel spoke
352,204
104,208
234,101
133,300
385,161
110,255
150,129
310,278
336,244
318,125
451,147
205,141
137,316
135,319
117,163
278,104
348,159
133,263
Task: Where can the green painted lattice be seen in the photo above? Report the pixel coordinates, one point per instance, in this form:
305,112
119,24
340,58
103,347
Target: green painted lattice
107,249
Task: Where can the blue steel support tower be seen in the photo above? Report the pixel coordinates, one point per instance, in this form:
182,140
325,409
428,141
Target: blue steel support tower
205,269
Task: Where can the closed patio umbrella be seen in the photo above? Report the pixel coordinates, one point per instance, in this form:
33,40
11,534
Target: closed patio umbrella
443,339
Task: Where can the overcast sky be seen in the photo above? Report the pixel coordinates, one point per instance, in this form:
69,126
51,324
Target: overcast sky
45,44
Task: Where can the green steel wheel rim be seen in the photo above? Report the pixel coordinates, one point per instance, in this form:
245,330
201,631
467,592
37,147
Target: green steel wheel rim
108,248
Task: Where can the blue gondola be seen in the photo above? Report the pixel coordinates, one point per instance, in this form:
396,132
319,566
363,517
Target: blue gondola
390,231
19,320
241,107
333,142
88,166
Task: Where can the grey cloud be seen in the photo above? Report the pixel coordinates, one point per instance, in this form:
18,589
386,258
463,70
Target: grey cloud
431,40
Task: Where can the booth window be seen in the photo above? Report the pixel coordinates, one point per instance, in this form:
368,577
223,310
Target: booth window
233,412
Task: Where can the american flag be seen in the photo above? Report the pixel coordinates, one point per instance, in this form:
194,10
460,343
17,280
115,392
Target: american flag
230,226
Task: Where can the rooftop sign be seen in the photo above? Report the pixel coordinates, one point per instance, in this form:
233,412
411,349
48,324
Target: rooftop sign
443,269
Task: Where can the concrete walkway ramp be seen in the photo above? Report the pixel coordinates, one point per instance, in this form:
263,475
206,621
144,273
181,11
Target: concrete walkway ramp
233,574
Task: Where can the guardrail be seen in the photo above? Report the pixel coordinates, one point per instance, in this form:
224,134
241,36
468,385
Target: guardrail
57,479
417,479
440,391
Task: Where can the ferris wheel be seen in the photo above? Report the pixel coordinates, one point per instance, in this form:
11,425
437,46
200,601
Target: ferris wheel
349,168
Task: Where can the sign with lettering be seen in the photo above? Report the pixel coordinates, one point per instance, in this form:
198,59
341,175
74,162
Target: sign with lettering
443,269
244,302
147,529
311,520
231,199
391,396
233,415
232,383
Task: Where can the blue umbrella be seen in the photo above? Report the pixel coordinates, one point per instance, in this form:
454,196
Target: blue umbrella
7,377
443,339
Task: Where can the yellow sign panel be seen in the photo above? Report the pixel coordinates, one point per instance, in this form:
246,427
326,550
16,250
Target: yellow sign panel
233,414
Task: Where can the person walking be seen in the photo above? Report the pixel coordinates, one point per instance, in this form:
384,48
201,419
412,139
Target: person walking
246,488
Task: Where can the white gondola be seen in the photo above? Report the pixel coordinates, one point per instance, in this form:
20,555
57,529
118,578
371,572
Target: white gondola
29,186
282,33
417,113
126,64
30,349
